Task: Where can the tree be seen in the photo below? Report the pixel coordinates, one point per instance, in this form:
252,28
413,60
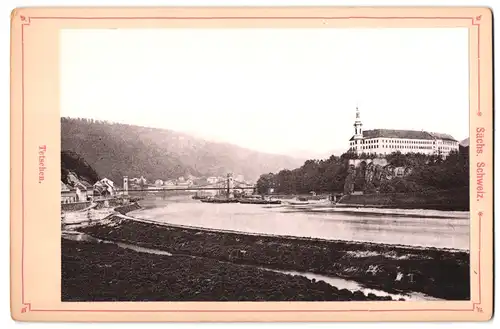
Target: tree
265,182
73,162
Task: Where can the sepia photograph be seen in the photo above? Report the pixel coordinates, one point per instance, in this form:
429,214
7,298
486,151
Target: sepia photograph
265,164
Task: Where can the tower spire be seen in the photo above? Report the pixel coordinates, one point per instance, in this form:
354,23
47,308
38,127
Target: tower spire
357,124
357,139
358,113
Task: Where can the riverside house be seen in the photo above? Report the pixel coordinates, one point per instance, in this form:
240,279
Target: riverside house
68,194
81,192
105,188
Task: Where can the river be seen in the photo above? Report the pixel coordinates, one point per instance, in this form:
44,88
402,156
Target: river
427,228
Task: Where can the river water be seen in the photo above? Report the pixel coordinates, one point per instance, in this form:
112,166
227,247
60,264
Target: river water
427,228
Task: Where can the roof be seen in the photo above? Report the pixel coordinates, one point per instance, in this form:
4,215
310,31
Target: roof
86,184
404,134
104,184
105,181
443,136
64,187
81,186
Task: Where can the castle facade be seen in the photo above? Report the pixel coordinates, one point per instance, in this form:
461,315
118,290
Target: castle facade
387,141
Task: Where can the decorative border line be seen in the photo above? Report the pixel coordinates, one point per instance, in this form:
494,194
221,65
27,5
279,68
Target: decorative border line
26,21
476,21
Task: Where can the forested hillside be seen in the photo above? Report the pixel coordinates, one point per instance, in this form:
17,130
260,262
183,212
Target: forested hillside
421,173
76,165
115,150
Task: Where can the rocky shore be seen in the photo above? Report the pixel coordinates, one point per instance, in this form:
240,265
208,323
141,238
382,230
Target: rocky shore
106,272
128,208
451,200
399,269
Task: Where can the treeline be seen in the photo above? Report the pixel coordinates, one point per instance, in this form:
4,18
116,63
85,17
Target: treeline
440,174
315,175
422,172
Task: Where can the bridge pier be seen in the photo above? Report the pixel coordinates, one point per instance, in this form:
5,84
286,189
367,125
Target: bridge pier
230,186
125,185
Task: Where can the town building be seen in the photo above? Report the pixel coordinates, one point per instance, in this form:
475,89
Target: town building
89,187
212,180
105,188
68,194
75,191
387,141
81,192
184,184
139,181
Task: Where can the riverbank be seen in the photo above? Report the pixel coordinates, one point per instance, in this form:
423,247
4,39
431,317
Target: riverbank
106,272
455,200
435,272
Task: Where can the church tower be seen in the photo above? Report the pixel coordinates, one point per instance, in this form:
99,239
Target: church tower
358,132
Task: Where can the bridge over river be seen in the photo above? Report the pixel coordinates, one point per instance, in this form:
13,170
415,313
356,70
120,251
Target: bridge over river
225,187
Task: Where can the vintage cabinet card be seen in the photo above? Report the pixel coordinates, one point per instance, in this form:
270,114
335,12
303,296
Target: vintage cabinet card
252,164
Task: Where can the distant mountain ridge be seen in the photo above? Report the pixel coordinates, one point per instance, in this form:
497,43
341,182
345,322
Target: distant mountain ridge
115,150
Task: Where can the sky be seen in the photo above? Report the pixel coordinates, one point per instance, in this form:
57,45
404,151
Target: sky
284,91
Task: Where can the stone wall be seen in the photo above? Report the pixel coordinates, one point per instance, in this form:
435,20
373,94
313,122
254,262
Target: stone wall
377,161
74,206
128,208
109,203
104,203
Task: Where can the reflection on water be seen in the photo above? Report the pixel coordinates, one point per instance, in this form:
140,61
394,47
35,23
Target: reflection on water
142,249
441,229
353,286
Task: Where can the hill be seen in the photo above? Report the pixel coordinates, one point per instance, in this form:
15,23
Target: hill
115,150
465,142
75,168
401,180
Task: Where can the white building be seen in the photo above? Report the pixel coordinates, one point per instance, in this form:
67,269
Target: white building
139,181
67,194
212,180
386,141
104,188
81,192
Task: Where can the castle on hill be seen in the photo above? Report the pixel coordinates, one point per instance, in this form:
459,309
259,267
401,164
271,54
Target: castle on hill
387,141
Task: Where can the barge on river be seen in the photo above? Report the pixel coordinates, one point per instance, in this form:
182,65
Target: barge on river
219,200
259,201
242,200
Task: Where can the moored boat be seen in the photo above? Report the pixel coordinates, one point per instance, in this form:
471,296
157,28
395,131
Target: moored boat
218,200
259,201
